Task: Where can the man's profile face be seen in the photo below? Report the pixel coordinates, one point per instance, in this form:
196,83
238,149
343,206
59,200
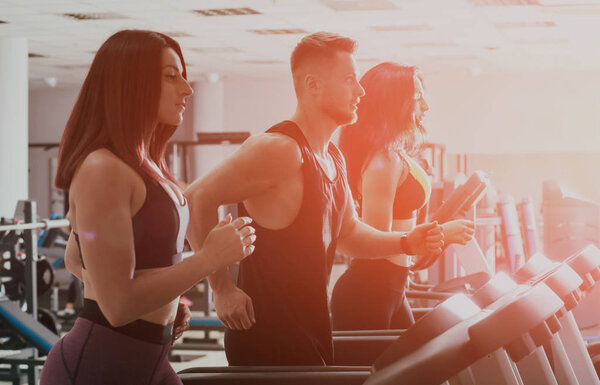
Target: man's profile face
341,91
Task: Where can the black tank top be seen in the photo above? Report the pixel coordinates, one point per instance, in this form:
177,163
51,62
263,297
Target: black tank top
288,273
159,229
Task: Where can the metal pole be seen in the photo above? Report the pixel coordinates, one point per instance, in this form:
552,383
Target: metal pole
30,236
30,260
32,377
44,224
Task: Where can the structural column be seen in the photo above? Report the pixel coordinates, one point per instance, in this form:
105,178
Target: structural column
208,115
13,123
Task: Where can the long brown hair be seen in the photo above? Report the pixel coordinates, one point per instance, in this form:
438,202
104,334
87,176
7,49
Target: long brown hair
385,114
117,107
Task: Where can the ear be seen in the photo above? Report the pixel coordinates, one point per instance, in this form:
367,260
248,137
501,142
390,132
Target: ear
312,84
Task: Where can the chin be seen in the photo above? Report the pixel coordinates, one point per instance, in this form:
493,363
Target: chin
350,119
343,119
175,121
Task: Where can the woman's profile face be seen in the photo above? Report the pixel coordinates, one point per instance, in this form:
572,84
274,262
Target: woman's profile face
420,104
174,89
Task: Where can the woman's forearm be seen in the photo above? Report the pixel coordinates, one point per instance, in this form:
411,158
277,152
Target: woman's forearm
367,242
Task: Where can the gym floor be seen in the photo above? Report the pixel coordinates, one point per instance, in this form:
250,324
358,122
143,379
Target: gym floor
205,358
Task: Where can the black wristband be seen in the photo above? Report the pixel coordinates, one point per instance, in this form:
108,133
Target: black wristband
404,245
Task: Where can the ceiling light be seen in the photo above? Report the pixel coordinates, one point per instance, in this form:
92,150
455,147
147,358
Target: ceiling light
407,27
430,44
216,49
568,3
226,12
288,31
95,16
263,61
72,66
475,71
360,5
526,24
502,3
51,81
541,41
177,34
212,77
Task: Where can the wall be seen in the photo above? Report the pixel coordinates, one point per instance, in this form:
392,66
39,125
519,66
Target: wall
49,110
522,126
522,174
255,104
515,112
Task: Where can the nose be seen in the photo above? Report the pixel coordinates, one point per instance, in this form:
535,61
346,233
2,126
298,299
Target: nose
424,105
187,90
361,90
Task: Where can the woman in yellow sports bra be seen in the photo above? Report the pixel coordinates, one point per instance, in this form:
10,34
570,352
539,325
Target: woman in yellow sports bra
389,187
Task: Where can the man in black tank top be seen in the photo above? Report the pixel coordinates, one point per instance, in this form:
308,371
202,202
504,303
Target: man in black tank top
292,181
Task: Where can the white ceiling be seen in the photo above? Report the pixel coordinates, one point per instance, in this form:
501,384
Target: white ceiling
476,35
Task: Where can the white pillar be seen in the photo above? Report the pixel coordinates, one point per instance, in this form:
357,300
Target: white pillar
13,123
208,116
209,104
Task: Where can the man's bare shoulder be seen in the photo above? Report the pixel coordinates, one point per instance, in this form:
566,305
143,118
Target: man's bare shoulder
273,151
262,162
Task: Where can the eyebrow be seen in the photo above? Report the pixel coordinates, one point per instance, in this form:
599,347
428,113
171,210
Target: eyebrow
172,66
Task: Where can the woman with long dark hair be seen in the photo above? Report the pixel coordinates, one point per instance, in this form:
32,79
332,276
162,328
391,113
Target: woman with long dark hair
389,187
129,217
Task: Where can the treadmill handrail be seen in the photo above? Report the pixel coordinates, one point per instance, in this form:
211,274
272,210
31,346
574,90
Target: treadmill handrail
460,200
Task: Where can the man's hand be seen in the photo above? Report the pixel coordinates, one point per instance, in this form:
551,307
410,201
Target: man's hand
182,321
234,309
459,231
426,239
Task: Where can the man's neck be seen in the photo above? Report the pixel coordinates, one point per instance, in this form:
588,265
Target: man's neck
317,128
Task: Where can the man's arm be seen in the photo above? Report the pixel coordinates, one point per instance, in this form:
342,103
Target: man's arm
255,167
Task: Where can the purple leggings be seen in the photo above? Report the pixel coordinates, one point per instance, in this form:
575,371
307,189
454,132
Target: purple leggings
93,354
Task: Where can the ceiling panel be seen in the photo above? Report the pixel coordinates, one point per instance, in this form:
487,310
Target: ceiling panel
430,33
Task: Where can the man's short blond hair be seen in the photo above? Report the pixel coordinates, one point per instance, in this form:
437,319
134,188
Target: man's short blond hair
320,45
